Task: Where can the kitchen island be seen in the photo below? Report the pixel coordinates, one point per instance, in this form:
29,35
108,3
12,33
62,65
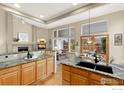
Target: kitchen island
73,74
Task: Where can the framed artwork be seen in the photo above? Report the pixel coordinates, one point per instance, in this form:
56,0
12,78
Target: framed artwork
23,37
118,39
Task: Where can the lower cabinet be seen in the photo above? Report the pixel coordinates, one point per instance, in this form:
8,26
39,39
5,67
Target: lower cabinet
65,82
98,79
66,75
50,66
41,69
76,76
93,82
28,73
10,76
78,79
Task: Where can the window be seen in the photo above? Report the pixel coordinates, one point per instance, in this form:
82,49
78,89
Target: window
63,33
72,35
65,38
95,28
55,34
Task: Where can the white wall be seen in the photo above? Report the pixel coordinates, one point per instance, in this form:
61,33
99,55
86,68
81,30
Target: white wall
10,26
115,23
42,33
18,26
2,32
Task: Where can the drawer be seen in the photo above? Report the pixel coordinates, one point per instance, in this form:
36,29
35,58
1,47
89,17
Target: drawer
113,81
44,60
66,75
7,70
79,71
78,79
50,59
93,82
65,82
28,64
97,77
65,67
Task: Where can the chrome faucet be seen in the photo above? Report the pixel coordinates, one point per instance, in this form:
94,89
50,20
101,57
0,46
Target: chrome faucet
111,60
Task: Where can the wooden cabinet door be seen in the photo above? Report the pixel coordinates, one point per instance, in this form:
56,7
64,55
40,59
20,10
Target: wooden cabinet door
113,81
66,75
41,69
65,82
11,78
93,82
50,66
78,80
28,74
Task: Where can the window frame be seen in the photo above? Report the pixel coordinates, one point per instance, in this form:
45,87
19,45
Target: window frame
56,38
84,24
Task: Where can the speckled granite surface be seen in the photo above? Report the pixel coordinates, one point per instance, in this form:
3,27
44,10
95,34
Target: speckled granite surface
117,71
6,64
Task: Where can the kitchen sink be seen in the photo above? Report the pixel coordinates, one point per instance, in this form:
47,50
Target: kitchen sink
107,69
97,67
86,64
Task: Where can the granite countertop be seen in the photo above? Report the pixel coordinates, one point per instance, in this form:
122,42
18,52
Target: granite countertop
118,72
16,62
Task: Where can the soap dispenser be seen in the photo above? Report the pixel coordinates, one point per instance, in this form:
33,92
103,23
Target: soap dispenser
96,57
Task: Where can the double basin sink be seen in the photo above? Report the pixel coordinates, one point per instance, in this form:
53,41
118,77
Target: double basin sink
106,69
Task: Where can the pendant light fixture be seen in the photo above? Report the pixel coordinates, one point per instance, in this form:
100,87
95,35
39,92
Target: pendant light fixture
89,39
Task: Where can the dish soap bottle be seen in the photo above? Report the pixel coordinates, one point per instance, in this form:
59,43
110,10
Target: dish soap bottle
28,54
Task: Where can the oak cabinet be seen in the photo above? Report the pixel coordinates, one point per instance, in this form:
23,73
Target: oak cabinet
41,69
66,75
65,82
10,76
67,68
50,65
113,81
81,72
76,76
78,79
28,73
99,79
92,82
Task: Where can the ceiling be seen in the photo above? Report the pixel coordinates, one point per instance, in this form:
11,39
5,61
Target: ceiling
60,13
48,10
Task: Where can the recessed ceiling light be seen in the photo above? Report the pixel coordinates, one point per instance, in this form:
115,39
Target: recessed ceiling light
41,16
17,5
75,3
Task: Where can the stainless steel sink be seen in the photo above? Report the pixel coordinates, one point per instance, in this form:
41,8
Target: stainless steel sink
33,57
